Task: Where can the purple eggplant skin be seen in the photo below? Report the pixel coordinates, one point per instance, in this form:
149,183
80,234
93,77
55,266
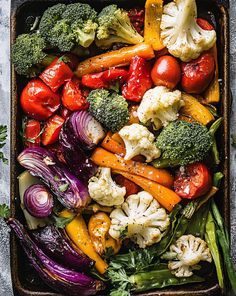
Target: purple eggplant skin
77,161
70,191
57,246
55,275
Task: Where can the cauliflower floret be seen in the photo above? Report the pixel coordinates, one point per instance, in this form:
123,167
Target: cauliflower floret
139,141
160,106
104,190
189,251
181,34
141,219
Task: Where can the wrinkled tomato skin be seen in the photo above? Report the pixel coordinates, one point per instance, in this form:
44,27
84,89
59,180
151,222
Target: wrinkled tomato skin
192,181
166,72
198,74
72,96
38,101
56,74
32,133
131,187
52,130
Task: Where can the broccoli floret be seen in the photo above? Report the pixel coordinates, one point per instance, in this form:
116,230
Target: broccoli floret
65,26
28,53
183,143
114,26
110,109
83,22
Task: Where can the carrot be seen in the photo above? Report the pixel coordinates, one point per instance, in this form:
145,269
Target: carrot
165,196
77,231
112,145
153,15
116,137
116,58
131,187
105,158
212,94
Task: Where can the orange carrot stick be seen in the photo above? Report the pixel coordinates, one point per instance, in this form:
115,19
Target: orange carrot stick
116,58
105,158
165,196
112,145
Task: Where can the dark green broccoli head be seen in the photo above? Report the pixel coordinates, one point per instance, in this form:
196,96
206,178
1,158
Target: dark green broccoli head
50,18
114,26
79,12
27,51
111,110
183,143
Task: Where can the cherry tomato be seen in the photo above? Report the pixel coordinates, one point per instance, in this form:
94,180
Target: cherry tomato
38,100
131,187
204,24
166,72
197,74
192,181
72,96
52,130
32,131
56,74
139,80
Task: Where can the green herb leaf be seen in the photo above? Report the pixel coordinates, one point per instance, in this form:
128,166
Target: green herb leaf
56,178
61,222
64,59
4,211
124,232
3,137
109,252
63,187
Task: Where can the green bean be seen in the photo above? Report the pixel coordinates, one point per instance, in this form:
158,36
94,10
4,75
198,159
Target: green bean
215,125
213,129
217,179
211,239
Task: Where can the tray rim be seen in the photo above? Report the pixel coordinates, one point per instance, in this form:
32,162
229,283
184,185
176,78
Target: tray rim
223,6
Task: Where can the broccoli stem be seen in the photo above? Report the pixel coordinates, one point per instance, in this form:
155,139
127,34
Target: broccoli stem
159,279
164,163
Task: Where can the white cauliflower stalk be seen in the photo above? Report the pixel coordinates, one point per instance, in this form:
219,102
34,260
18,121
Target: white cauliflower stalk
104,190
139,141
160,106
181,34
141,219
189,251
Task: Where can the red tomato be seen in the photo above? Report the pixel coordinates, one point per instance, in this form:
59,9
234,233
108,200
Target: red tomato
139,80
204,24
166,72
131,187
56,74
72,96
52,130
38,100
192,181
64,112
32,133
197,74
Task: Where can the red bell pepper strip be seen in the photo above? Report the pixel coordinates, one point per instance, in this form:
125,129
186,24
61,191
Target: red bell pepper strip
204,24
139,80
52,130
31,133
56,74
104,79
73,97
38,101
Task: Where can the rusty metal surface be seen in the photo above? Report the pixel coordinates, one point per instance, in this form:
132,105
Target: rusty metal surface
25,280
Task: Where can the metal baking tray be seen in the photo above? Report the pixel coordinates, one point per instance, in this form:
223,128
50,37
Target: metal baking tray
25,279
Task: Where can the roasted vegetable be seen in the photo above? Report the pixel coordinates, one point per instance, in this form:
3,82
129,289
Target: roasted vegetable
114,26
28,55
98,228
56,276
38,201
69,190
56,245
183,143
116,58
78,233
110,109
